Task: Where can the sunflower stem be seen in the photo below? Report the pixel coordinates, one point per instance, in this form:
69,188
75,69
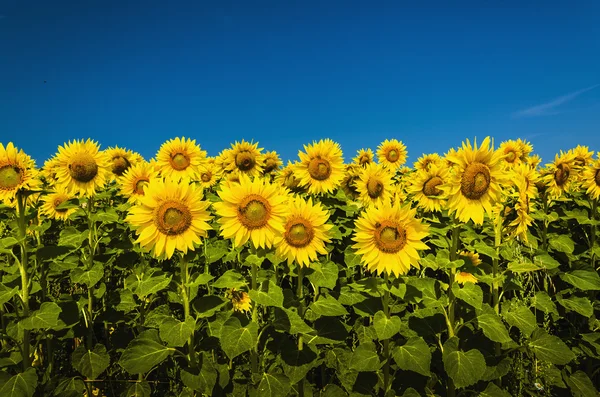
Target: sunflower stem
21,207
450,387
254,352
186,309
386,342
593,233
90,290
300,295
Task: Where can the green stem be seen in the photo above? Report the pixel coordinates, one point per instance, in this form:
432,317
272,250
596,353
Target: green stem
495,268
300,295
90,290
254,286
545,223
386,342
21,207
451,323
186,309
593,232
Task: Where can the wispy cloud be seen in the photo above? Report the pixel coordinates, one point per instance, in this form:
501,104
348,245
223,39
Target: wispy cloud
550,108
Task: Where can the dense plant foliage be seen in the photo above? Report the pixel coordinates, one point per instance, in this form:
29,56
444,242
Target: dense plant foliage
473,273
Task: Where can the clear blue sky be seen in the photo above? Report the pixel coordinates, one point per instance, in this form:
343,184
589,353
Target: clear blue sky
284,73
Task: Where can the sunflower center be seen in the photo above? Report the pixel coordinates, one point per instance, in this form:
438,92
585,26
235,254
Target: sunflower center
319,169
374,188
579,161
57,202
390,237
120,165
299,233
206,176
270,165
597,177
254,211
290,181
511,157
430,187
172,218
364,159
139,185
392,155
10,177
245,161
561,175
475,181
83,168
180,161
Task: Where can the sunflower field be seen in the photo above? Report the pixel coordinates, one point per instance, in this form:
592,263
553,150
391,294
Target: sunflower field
473,273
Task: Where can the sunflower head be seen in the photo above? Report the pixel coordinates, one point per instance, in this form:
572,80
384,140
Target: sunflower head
271,162
560,175
391,153
511,151
243,158
120,160
83,168
591,179
525,148
465,277
534,160
321,167
179,159
351,176
582,156
241,300
470,258
286,178
17,171
51,205
208,175
425,186
364,157
427,160
133,181
374,184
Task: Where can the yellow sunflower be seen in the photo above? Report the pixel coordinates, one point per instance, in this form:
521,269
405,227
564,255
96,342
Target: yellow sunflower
591,179
582,155
560,175
465,277
208,175
170,216
475,181
241,300
82,167
48,171
388,238
471,258
179,159
351,176
17,171
525,178
428,160
424,186
525,147
321,167
254,210
120,159
271,162
52,201
285,177
134,179
519,226
511,150
243,157
364,157
392,154
374,185
305,232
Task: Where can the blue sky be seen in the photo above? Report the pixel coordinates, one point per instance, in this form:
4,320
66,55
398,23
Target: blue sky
285,73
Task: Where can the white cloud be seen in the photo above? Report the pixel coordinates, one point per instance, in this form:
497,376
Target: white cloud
549,108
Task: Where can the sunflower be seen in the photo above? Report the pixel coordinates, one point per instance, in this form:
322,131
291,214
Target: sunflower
465,277
48,171
271,162
134,179
582,155
475,181
424,187
321,167
364,157
591,179
387,238
52,201
525,178
179,159
305,232
254,210
208,174
241,300
170,216
285,177
511,151
534,160
470,258
244,158
374,185
82,167
17,171
391,153
351,176
560,175
120,160
427,160
519,226
525,147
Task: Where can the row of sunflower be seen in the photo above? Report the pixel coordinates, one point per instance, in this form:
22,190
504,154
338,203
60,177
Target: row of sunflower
233,274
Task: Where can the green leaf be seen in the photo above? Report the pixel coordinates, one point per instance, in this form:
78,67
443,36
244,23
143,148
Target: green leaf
414,355
494,391
523,266
274,385
328,306
465,369
323,274
237,339
469,293
71,387
139,389
485,249
216,250
365,358
107,216
20,385
71,237
492,326
268,294
6,293
521,317
543,302
550,348
546,261
585,280
144,352
386,327
203,380
175,332
562,243
149,283
579,305
230,279
289,320
91,363
46,317
581,385
206,306
88,277
296,363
